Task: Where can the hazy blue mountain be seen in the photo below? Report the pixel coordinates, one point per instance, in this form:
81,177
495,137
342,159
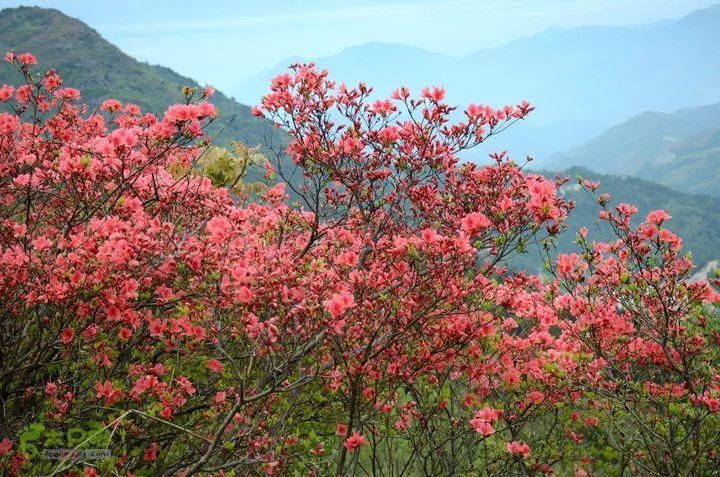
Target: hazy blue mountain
590,76
385,66
680,150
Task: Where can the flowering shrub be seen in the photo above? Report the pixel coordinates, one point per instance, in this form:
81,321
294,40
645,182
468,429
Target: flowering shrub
370,327
650,399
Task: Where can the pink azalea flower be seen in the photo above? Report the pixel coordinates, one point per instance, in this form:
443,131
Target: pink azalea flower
354,441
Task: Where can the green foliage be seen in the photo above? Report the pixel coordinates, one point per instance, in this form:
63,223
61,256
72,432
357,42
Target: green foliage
229,167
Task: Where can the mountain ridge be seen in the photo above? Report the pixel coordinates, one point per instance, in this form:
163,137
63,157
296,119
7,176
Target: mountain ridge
680,150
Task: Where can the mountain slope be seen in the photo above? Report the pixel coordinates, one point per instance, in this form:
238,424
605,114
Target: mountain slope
100,70
680,150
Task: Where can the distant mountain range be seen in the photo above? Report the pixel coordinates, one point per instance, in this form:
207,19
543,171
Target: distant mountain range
680,150
582,80
100,70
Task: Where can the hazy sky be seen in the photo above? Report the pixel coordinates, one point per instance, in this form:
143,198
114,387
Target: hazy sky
223,41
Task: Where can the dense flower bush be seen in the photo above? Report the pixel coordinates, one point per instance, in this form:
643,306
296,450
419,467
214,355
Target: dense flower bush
368,326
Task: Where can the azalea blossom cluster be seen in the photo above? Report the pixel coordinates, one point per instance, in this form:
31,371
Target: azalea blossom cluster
369,325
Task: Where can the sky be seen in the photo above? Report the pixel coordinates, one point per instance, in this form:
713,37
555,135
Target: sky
222,42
